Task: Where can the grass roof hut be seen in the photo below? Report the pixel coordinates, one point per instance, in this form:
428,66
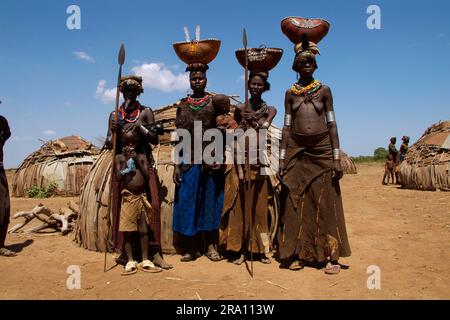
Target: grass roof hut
427,163
347,163
65,162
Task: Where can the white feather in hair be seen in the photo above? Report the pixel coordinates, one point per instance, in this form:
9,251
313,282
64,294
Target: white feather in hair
197,33
186,34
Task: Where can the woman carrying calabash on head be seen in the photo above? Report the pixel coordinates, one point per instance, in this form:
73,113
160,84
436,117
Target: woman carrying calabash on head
312,228
238,234
199,192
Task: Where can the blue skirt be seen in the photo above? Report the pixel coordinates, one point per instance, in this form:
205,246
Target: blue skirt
198,202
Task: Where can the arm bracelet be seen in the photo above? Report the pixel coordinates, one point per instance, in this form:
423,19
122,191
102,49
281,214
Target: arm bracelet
144,130
330,116
287,120
336,154
282,154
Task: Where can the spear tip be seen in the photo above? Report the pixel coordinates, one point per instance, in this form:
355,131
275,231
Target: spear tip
244,38
122,54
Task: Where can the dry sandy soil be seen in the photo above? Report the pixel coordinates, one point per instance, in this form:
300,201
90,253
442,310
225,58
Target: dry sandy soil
405,233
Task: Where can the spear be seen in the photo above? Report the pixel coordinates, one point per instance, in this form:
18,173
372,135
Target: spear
248,195
121,61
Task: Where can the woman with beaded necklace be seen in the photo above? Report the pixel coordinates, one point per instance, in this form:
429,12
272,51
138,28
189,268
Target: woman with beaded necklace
312,226
199,192
236,235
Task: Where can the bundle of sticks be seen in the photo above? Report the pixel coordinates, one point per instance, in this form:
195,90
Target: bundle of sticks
61,222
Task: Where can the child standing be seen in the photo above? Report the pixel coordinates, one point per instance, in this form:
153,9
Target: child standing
389,169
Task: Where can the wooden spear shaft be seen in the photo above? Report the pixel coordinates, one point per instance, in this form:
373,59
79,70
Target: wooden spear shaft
121,61
248,195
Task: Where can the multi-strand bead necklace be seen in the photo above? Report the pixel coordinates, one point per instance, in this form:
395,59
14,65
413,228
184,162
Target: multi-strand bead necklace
198,104
130,117
299,90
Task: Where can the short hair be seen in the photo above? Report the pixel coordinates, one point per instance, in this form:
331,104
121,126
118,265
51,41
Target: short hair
131,83
264,75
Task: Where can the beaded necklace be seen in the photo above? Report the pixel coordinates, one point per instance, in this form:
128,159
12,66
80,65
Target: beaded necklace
299,90
198,104
262,106
130,117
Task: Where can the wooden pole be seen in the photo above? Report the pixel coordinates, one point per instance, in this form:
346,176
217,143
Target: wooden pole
248,195
121,61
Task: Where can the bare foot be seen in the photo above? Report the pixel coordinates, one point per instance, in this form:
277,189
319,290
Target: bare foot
239,260
158,260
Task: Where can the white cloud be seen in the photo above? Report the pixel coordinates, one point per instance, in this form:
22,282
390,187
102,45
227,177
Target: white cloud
81,55
105,95
49,132
155,76
158,76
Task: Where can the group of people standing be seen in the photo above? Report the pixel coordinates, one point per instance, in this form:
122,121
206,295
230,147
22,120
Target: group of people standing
394,158
221,208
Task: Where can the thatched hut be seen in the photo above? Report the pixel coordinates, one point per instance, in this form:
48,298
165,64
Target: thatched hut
65,161
347,163
93,223
427,163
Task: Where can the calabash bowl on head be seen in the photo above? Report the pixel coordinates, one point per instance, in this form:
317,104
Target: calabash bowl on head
202,51
261,59
295,27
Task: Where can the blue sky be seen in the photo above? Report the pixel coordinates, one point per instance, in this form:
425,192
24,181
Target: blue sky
388,82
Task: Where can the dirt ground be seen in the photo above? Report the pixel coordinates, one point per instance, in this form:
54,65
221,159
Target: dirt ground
405,233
